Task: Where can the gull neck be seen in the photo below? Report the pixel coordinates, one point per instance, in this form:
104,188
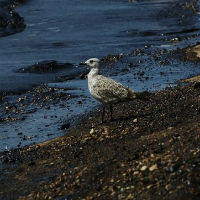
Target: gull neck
93,72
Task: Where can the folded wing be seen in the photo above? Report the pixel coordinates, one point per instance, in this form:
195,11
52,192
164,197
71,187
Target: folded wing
110,91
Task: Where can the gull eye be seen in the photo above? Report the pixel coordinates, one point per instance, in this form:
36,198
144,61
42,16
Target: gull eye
91,61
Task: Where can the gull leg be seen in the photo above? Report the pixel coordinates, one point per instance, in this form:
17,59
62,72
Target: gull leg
103,113
111,112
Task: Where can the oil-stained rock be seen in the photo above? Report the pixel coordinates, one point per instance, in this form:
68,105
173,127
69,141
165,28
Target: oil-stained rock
50,66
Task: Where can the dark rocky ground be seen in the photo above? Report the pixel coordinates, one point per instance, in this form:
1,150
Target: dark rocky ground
150,151
10,21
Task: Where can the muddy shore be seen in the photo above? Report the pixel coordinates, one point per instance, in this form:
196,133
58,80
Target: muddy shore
150,151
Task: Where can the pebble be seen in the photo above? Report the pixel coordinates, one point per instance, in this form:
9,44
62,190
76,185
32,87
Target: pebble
130,196
152,155
136,172
20,99
135,120
168,187
149,186
153,167
92,131
143,168
136,129
170,128
176,39
112,180
65,126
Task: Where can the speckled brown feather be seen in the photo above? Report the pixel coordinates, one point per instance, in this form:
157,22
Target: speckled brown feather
108,91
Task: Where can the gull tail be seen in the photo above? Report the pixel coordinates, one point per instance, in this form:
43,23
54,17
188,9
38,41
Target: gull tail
138,95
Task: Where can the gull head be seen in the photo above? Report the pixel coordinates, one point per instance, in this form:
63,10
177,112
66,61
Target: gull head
92,62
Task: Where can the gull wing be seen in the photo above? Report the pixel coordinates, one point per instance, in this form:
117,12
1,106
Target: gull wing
109,90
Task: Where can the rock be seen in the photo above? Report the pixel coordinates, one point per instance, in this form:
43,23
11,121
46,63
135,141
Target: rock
192,53
136,129
65,126
143,168
136,173
196,85
168,187
10,21
176,39
153,167
152,155
149,186
49,66
92,131
135,120
20,99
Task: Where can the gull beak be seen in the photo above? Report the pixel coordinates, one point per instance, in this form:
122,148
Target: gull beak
84,64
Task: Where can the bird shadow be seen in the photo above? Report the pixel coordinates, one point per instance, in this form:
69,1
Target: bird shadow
124,118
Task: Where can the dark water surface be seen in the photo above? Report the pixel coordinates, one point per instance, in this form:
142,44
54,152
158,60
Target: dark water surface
72,31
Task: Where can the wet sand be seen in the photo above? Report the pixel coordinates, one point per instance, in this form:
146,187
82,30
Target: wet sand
150,151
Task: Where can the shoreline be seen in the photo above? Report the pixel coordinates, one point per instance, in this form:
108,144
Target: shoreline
64,96
144,153
150,150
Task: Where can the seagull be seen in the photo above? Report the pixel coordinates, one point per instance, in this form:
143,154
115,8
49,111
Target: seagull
106,90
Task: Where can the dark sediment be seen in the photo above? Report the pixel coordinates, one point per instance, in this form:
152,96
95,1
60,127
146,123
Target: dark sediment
150,151
10,21
51,66
40,97
10,4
